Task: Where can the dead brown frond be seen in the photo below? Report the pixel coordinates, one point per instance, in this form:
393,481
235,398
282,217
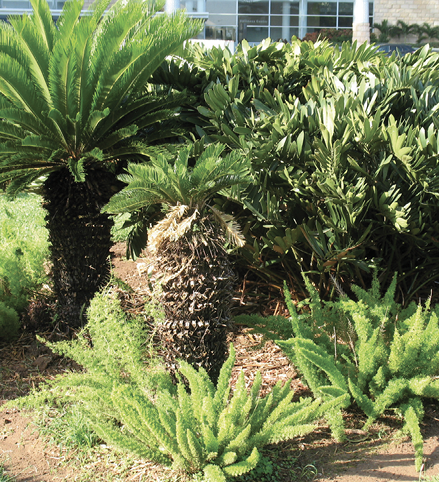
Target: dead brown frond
230,227
172,227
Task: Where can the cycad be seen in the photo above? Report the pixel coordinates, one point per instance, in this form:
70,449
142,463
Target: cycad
188,248
74,104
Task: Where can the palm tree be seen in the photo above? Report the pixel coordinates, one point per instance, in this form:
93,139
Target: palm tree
73,107
187,248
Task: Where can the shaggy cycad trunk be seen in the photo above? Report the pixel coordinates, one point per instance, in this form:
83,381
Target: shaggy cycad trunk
197,291
80,239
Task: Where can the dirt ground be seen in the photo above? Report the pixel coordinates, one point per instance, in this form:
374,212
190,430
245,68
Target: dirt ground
373,457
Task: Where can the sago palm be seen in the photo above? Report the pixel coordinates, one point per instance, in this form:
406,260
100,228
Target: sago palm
187,248
73,107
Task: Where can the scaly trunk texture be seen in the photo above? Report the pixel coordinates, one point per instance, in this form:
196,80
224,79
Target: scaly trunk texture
80,239
196,295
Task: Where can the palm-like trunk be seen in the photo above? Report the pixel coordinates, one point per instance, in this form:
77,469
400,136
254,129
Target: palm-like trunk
197,293
80,239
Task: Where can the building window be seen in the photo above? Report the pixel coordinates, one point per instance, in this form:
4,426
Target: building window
321,15
284,20
220,33
345,14
253,6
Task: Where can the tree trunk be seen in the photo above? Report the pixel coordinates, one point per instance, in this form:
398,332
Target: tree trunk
197,293
80,239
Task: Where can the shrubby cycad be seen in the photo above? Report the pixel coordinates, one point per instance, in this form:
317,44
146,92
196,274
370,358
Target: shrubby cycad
187,247
74,104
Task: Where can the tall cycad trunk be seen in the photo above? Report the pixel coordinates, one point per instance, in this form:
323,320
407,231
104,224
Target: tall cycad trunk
80,238
197,292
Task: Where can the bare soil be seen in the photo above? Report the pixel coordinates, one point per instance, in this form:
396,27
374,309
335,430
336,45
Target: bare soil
376,456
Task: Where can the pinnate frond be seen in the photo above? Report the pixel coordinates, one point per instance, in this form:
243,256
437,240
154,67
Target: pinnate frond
230,227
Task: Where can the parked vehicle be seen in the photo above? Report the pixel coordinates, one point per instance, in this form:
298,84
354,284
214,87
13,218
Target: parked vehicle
400,49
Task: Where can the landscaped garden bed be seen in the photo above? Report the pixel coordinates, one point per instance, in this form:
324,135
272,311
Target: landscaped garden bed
281,323
43,449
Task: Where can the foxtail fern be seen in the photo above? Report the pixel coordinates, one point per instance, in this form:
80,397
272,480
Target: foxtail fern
194,426
371,352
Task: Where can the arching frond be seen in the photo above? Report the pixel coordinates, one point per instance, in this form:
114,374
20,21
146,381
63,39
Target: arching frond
24,44
10,131
161,37
14,85
67,20
20,181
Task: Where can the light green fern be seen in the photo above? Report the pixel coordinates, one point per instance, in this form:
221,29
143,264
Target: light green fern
193,427
387,358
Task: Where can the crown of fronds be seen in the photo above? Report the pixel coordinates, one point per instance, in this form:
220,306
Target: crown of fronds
73,93
184,190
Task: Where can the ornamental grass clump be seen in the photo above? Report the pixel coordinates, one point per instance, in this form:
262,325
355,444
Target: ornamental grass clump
195,426
372,351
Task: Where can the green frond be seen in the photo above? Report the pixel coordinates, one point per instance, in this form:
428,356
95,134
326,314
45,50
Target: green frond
26,120
33,41
363,401
94,119
42,19
317,356
200,386
20,182
130,200
223,388
412,426
146,109
68,19
77,169
182,438
117,136
396,390
114,437
289,432
14,85
41,143
186,408
131,149
161,36
10,131
197,452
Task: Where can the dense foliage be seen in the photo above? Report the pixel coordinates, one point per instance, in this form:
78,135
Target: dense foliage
344,148
372,351
24,249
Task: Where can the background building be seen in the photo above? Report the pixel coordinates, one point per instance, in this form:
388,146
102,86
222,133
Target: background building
254,20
